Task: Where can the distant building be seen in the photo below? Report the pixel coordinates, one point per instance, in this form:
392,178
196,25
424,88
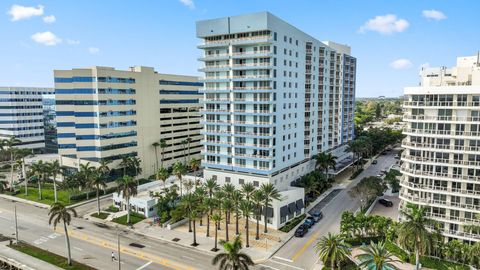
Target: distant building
50,123
441,169
22,116
107,114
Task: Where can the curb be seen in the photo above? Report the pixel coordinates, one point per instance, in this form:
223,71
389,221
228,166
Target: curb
90,201
20,200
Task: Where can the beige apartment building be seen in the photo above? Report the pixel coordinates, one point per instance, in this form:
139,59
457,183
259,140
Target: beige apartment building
106,114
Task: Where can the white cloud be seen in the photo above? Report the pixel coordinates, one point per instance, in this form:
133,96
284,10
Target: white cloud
434,14
49,19
386,24
46,38
189,3
93,50
401,63
21,12
72,42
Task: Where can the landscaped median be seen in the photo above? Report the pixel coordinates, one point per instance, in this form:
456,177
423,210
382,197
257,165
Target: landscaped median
49,257
134,218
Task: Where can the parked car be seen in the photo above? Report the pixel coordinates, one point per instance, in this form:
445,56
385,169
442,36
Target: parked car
301,230
309,223
397,156
374,161
385,202
312,219
317,216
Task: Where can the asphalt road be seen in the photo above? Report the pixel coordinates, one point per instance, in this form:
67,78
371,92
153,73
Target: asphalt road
299,253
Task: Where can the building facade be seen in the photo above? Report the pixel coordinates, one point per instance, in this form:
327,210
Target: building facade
441,161
21,115
107,114
274,97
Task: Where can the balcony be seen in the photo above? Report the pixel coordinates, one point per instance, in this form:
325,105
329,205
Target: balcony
445,218
215,56
252,78
439,175
453,148
432,202
249,66
441,118
414,159
439,133
215,79
475,104
439,189
249,89
224,67
214,90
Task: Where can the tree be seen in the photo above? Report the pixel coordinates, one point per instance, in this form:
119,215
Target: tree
377,257
97,181
128,188
257,199
332,248
184,144
60,213
194,165
210,186
413,233
155,146
193,216
270,193
54,169
232,258
10,144
136,167
189,140
84,175
247,190
367,189
326,162
20,156
38,170
247,209
163,175
126,163
227,206
179,170
209,204
237,197
3,186
188,204
216,218
163,145
104,169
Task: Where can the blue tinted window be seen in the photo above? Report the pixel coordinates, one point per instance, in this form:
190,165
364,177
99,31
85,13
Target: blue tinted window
66,146
165,82
85,114
66,135
176,101
76,102
75,91
65,124
65,113
178,92
74,79
86,125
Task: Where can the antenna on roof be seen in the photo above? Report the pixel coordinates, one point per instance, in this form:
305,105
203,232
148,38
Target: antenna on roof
478,58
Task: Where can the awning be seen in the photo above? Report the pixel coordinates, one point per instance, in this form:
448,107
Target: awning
283,211
300,204
292,208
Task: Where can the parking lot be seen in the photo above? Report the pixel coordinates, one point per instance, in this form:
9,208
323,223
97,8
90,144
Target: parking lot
391,212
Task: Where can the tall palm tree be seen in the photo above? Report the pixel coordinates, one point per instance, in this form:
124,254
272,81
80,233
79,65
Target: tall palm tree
128,187
60,213
97,181
270,193
332,248
237,197
377,257
210,204
188,204
137,168
247,190
163,145
3,186
21,154
193,216
10,144
247,209
54,169
179,170
232,258
325,162
188,147
38,170
257,199
194,165
216,218
201,195
227,206
210,186
155,146
126,163
85,173
184,144
104,169
413,233
162,175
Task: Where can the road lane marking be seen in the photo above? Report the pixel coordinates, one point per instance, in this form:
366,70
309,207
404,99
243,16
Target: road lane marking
267,266
77,248
288,265
283,259
145,265
305,246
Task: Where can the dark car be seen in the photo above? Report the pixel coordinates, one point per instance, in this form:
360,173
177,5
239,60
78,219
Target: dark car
301,231
317,216
374,161
312,219
309,223
385,202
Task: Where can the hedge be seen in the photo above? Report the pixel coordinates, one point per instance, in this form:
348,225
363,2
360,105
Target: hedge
292,223
356,173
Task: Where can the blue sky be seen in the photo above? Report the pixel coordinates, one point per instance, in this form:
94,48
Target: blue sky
390,38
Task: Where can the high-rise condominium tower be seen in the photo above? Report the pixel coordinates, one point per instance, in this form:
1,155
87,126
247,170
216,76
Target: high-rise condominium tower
441,169
274,97
107,114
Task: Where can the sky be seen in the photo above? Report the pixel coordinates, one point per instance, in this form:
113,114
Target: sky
392,39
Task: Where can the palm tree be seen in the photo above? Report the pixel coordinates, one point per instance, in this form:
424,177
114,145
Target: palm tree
104,169
209,204
326,161
54,169
216,218
332,248
162,175
163,145
257,199
136,166
155,146
85,173
413,233
38,170
128,187
9,145
20,156
237,197
188,204
210,186
179,170
377,257
97,181
60,213
247,208
193,216
188,146
270,193
194,165
227,206
184,144
247,190
232,258
3,186
126,163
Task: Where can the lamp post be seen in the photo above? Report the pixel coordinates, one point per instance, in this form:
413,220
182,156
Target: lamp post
16,225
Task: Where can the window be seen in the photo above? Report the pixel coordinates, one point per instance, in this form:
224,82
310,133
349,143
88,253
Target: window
256,183
227,180
214,177
241,181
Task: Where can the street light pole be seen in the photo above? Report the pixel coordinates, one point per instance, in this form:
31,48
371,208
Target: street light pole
118,250
16,225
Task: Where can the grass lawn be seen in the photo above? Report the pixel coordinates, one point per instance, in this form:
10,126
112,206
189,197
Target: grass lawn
134,218
112,209
102,215
439,264
47,195
49,257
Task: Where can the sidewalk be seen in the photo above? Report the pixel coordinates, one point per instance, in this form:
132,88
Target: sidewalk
21,260
20,200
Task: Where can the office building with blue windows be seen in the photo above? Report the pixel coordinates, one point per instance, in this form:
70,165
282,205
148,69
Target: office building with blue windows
274,97
22,115
106,114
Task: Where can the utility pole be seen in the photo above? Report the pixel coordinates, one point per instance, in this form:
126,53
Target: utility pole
16,225
118,250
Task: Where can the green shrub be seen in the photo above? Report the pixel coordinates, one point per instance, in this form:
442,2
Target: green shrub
102,215
134,218
292,223
359,241
112,209
397,251
356,173
438,264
